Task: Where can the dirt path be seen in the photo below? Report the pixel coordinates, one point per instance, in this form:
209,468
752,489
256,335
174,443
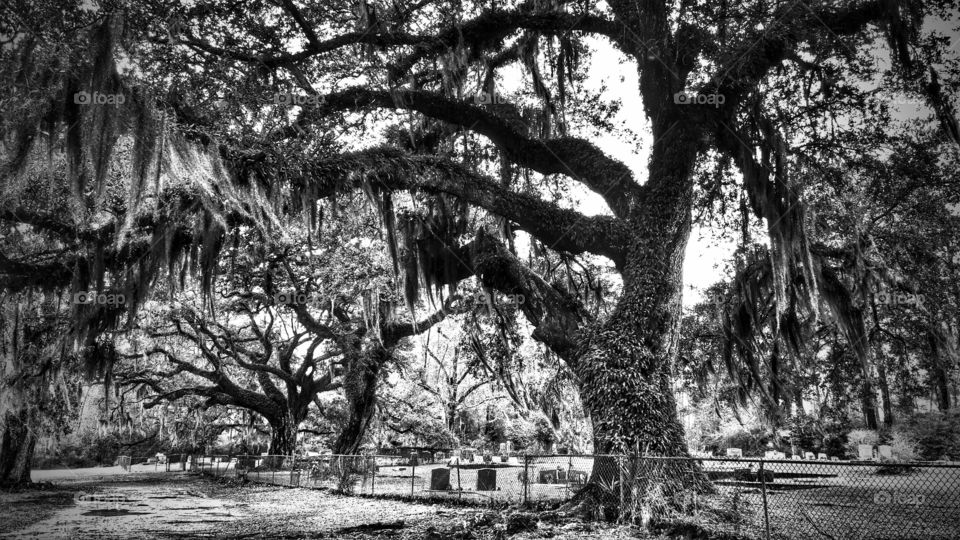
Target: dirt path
171,506
186,506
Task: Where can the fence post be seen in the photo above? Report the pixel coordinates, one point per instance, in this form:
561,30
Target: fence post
763,491
373,475
413,474
620,466
526,480
459,486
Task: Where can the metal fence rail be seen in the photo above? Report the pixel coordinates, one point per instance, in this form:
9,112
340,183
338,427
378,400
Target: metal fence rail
763,498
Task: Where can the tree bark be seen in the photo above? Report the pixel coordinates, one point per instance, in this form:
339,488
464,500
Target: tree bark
885,395
16,449
625,368
360,386
283,440
868,400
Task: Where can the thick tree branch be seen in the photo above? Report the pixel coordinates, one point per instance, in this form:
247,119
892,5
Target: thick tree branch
559,229
579,159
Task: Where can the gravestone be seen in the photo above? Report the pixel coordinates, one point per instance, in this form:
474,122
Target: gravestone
809,455
504,458
124,462
834,458
486,480
561,476
548,476
885,451
735,452
440,479
578,477
822,456
466,455
487,458
865,451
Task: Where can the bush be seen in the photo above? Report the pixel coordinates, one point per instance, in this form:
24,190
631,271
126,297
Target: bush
751,441
904,448
861,436
543,433
936,434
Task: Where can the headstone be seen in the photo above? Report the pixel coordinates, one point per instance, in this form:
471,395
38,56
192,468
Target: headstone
865,451
834,458
440,479
578,477
796,457
822,456
548,476
809,455
886,451
502,449
486,480
561,476
487,458
735,452
504,458
124,462
466,455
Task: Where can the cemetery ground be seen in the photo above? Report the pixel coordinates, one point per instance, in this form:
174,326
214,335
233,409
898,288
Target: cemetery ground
841,501
102,503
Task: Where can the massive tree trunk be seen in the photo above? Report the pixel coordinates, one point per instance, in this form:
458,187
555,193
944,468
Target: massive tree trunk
625,366
625,371
868,401
360,385
16,448
283,440
885,395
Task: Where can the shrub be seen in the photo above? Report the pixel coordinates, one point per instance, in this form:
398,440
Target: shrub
543,432
860,436
904,448
936,434
751,441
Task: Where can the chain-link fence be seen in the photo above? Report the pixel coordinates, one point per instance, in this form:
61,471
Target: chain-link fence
753,497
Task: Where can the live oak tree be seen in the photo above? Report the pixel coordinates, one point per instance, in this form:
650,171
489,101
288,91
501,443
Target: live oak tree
711,78
425,61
